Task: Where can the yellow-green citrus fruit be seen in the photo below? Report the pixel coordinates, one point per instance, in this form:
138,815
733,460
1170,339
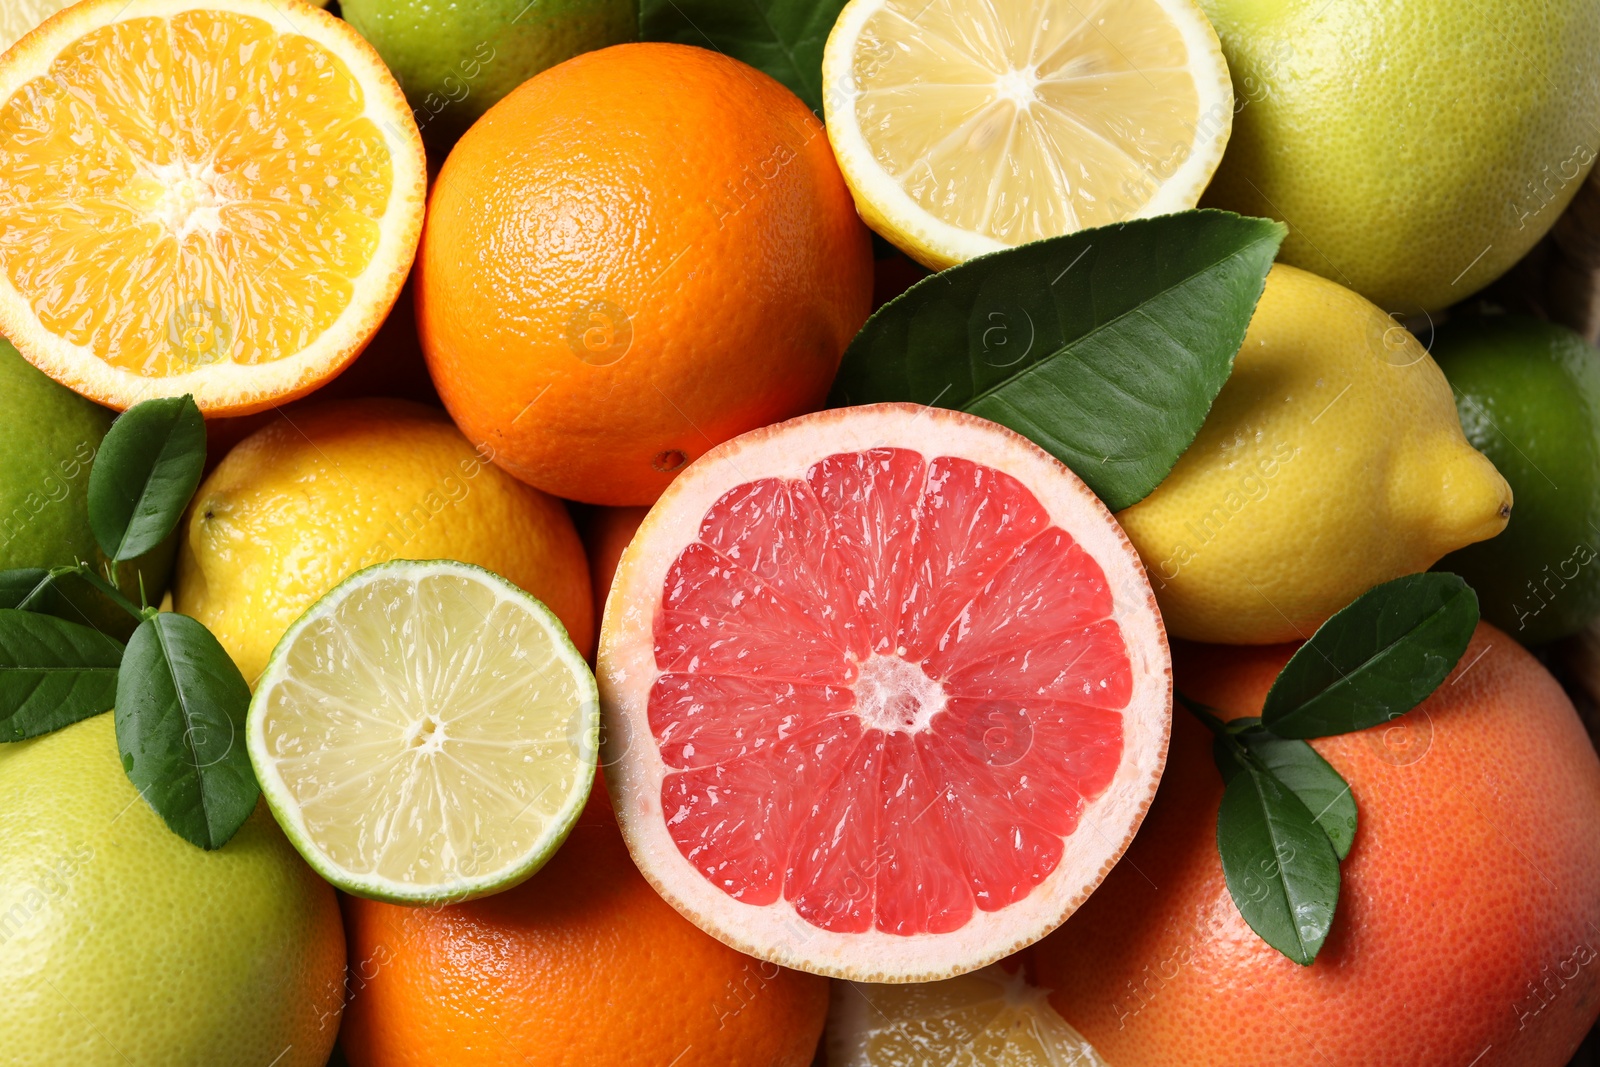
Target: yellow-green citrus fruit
49,437
456,59
1416,148
122,945
1331,461
1528,392
302,504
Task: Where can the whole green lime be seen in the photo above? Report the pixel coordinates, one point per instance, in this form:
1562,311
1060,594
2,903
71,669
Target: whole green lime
456,58
1416,148
1528,393
49,436
122,945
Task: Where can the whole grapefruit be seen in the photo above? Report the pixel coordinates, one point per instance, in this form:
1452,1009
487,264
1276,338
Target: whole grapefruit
1468,929
580,966
638,254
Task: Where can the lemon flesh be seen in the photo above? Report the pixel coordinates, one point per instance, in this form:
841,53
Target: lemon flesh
425,732
984,1019
967,126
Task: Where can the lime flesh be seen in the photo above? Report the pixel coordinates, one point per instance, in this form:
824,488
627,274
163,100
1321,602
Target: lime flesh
425,732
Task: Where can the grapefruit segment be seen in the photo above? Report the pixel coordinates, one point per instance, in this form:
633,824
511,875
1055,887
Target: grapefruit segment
886,693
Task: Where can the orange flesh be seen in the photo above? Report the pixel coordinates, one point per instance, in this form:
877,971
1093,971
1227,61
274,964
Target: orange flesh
181,192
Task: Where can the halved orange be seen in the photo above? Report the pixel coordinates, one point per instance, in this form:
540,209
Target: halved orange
217,197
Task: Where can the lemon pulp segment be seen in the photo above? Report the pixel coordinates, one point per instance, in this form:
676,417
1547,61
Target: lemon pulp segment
984,1019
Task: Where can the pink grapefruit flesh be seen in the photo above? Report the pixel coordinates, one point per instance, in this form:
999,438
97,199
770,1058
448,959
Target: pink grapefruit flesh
886,693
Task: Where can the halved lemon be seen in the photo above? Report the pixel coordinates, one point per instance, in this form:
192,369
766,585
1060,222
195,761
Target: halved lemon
216,197
968,126
984,1019
425,732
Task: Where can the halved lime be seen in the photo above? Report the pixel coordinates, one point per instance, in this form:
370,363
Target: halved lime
425,732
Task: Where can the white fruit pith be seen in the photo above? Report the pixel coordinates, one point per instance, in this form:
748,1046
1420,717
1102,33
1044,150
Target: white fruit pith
886,693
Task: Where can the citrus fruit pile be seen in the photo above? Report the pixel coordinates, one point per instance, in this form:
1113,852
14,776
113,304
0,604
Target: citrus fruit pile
878,533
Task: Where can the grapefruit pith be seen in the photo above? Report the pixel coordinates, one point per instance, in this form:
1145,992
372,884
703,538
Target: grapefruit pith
885,691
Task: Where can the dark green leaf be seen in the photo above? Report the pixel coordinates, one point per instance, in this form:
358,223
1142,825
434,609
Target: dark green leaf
148,467
1375,660
1299,769
52,673
782,37
181,705
77,595
1280,867
18,587
1106,347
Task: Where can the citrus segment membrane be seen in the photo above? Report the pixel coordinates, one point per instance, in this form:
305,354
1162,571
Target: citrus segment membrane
980,124
878,665
189,192
425,731
985,1019
886,711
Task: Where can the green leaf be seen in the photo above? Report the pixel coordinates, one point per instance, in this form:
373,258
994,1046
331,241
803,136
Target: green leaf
19,586
1105,347
1280,867
1298,768
52,673
76,594
181,706
781,37
1375,660
148,467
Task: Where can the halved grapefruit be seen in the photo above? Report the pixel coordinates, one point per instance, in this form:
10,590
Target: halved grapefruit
885,693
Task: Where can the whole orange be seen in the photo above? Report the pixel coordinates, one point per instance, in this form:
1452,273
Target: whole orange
583,965
1468,929
606,534
636,255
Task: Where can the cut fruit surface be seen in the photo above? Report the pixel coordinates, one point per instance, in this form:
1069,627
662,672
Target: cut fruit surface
885,690
985,1019
967,126
216,197
425,732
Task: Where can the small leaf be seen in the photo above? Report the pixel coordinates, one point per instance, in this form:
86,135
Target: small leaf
52,673
1301,770
78,596
784,38
18,586
148,467
1280,867
1105,347
1375,660
181,707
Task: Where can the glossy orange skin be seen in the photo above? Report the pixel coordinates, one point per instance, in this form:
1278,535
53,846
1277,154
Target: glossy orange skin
1468,929
638,254
583,965
606,534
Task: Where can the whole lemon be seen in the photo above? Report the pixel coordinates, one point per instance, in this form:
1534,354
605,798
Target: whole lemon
1416,148
122,945
1331,461
300,505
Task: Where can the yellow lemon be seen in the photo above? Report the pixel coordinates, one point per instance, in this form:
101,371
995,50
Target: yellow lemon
1416,148
1331,461
301,505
